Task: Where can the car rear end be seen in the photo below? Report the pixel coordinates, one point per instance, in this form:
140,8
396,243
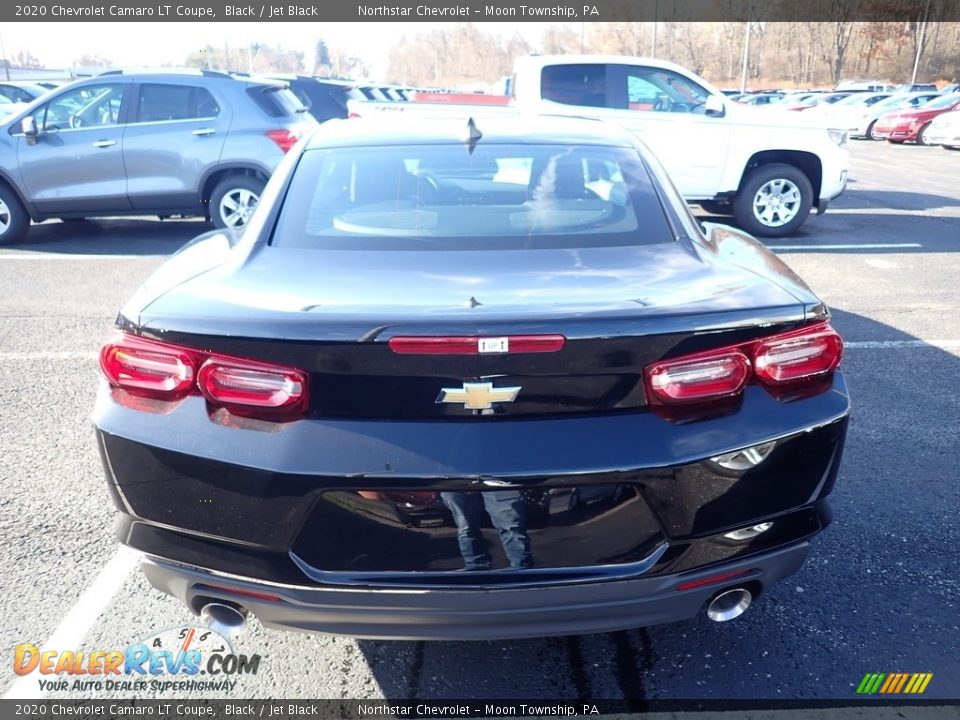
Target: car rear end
892,126
413,414
268,121
945,130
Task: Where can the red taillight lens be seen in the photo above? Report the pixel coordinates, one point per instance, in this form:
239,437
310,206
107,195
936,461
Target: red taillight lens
799,358
237,383
157,370
150,369
712,580
788,359
700,378
283,138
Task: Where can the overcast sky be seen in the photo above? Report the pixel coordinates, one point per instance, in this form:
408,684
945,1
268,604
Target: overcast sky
134,44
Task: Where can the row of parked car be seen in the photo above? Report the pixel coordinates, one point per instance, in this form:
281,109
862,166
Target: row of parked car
204,143
922,116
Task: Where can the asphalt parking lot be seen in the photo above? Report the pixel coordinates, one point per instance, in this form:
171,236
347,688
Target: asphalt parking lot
879,593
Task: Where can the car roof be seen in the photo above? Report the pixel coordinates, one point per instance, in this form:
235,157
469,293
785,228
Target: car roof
503,128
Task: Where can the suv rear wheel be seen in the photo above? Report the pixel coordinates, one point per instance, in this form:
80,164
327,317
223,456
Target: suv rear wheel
774,200
14,221
234,199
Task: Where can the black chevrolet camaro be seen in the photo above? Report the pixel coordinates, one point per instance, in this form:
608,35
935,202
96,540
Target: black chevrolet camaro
471,379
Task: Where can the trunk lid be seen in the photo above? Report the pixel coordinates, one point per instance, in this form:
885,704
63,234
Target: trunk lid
332,314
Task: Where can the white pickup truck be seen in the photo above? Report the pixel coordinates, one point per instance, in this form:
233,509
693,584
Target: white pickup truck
767,167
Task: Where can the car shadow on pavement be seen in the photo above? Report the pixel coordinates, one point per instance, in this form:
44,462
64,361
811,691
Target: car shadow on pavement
855,198
869,229
114,236
877,594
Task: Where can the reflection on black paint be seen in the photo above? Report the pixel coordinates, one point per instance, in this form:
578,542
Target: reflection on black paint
474,530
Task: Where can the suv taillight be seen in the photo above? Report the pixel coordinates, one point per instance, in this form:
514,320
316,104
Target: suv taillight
284,139
161,371
788,360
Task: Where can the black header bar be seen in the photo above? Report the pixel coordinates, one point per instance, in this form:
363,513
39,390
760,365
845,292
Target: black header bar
482,11
239,709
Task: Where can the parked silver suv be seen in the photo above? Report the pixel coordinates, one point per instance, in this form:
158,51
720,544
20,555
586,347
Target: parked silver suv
146,143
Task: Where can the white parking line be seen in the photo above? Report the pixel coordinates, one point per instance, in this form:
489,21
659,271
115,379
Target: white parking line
71,256
890,344
65,355
860,246
77,622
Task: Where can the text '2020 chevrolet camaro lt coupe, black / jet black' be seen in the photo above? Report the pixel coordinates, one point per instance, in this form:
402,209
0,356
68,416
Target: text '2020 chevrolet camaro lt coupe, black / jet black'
471,379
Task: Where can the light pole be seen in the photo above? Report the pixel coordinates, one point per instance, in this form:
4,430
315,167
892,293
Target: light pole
746,58
6,65
916,60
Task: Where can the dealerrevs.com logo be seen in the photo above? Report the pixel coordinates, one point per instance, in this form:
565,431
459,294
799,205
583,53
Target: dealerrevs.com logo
171,660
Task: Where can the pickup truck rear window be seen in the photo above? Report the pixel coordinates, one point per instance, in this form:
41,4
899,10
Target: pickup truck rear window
584,85
447,197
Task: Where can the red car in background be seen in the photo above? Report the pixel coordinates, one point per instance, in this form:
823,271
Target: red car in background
911,125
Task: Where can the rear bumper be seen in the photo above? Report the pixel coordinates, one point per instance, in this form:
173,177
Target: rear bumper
899,132
472,614
351,525
943,137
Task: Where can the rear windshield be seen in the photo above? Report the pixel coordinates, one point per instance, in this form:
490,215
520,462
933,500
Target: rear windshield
276,100
446,197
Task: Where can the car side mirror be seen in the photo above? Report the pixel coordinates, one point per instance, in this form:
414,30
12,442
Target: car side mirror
714,107
30,131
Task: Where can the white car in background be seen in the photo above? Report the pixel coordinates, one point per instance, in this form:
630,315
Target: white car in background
944,130
9,107
859,101
859,120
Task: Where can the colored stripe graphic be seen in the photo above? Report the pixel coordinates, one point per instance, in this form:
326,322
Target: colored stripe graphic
894,683
891,681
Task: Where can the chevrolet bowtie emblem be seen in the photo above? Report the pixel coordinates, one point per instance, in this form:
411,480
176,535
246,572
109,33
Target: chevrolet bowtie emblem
478,396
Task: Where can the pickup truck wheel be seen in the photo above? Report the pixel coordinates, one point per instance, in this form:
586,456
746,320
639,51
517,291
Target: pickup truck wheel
14,221
233,201
774,200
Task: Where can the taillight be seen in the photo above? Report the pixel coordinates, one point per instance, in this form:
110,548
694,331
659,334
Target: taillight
160,371
149,369
794,359
706,377
234,383
787,359
283,138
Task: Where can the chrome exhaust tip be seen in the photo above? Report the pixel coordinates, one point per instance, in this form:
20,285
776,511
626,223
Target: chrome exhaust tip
223,618
729,604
